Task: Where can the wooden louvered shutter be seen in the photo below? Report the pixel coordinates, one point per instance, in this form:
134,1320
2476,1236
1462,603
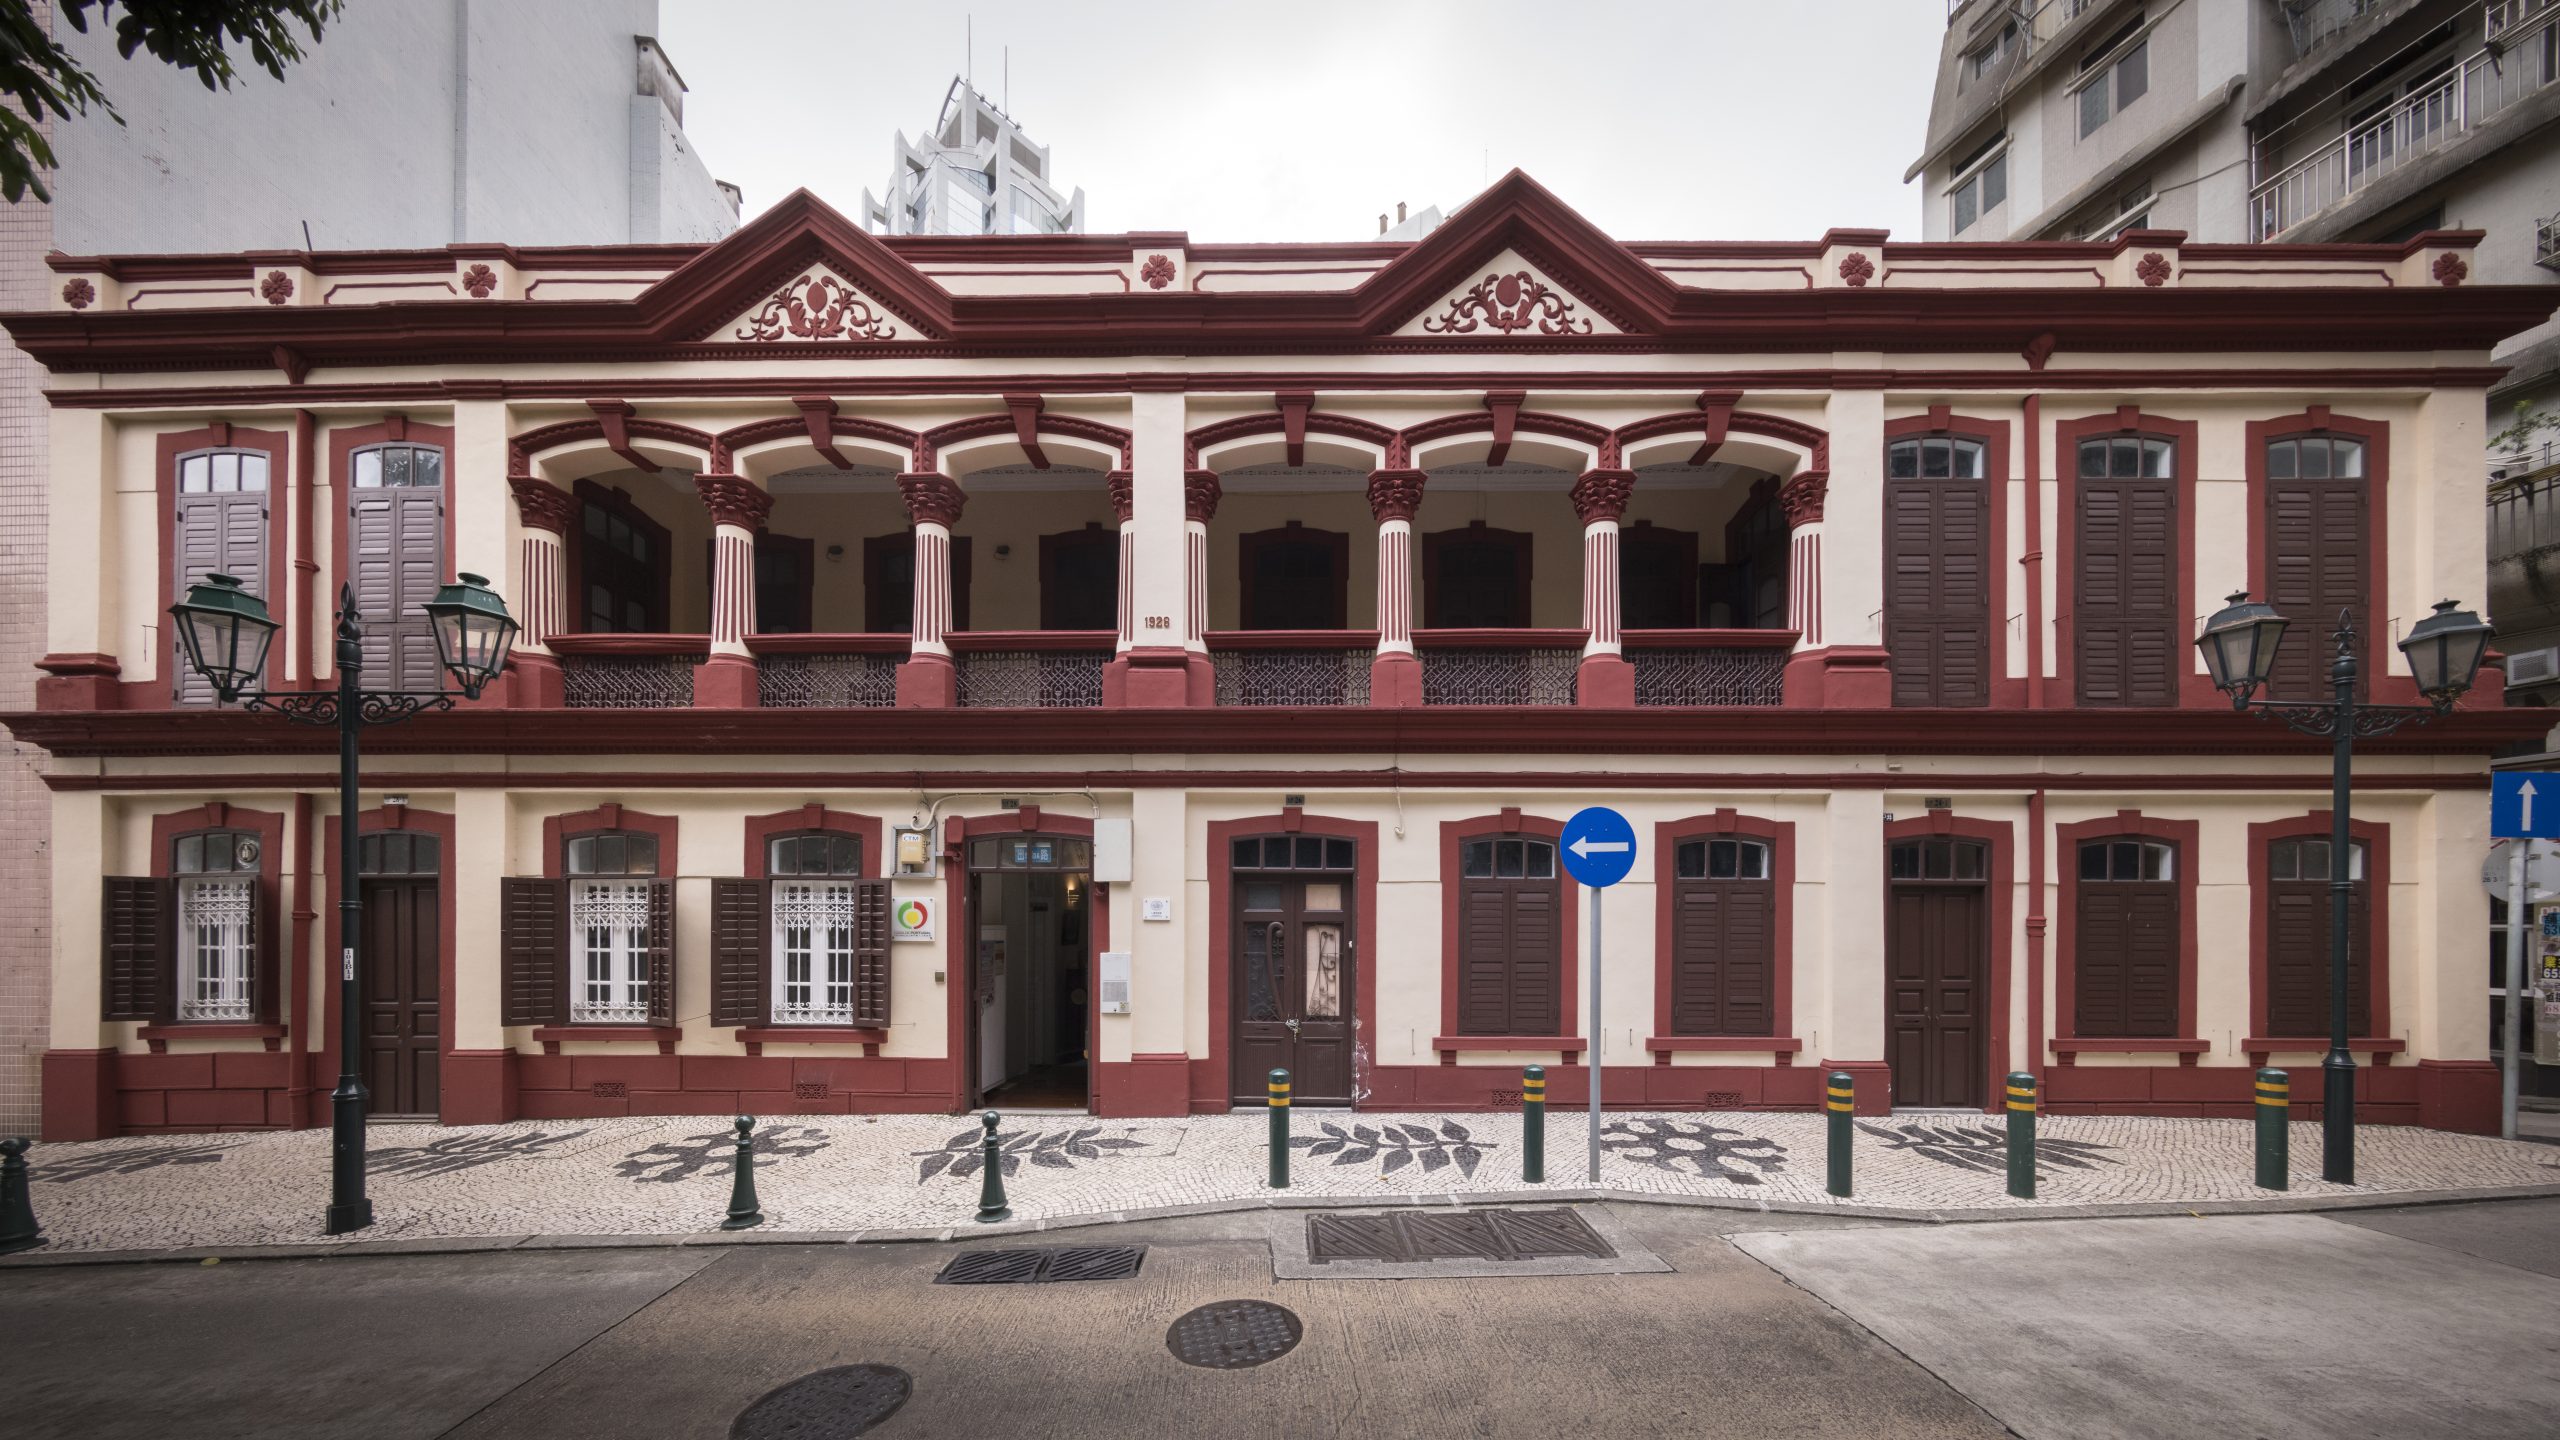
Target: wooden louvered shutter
1536,959
533,938
1697,960
2125,960
1484,958
139,926
1749,958
2298,957
1724,947
2125,610
2098,962
1937,618
396,562
741,953
662,952
2315,567
871,952
217,534
2151,961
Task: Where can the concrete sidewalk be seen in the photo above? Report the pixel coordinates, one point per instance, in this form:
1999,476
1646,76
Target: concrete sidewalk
917,1177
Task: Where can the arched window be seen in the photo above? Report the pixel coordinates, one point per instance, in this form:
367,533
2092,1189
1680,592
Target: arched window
219,528
395,559
1937,586
2317,545
217,883
816,926
2298,937
2128,635
1723,937
1510,940
621,924
2124,945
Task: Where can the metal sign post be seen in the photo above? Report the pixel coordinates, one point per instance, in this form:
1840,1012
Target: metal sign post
2523,805
1599,849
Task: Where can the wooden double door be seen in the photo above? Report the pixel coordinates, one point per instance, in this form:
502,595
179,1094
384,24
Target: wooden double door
1293,975
401,1011
1937,963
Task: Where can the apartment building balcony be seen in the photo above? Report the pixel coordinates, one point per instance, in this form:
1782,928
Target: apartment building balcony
2482,99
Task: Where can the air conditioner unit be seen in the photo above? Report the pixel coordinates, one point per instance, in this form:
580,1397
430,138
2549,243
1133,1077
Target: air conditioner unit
2533,667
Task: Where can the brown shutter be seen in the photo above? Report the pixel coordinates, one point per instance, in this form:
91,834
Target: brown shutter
1537,960
395,540
533,931
1937,609
265,970
2298,958
2125,611
1484,959
741,953
662,952
871,952
218,534
2124,958
139,924
2315,564
2098,962
1723,959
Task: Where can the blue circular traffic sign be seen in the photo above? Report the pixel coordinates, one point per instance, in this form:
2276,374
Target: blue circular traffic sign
1599,846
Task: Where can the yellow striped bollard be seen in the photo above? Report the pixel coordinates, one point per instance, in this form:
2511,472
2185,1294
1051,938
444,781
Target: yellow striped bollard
1533,1124
2275,1157
2022,1135
1839,1102
1279,1129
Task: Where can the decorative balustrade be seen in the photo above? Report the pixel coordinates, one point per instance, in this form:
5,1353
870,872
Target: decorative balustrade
1031,669
628,672
827,672
1293,667
2524,62
1709,667
1498,667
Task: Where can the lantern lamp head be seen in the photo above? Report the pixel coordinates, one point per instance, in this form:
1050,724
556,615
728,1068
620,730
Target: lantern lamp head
473,632
2444,652
224,631
2239,646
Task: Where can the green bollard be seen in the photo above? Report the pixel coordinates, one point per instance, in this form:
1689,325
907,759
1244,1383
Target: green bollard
2275,1158
1279,1129
991,1206
744,1214
1533,1125
18,1227
1841,1101
2022,1135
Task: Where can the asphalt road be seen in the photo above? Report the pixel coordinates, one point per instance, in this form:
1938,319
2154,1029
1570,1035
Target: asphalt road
1766,1326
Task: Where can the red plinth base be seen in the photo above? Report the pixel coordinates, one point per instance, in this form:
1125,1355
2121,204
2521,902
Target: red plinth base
1843,677
1159,677
80,682
1395,680
534,682
726,682
1605,682
928,682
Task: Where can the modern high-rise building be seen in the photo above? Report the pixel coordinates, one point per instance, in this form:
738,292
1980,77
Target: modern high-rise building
475,126
974,173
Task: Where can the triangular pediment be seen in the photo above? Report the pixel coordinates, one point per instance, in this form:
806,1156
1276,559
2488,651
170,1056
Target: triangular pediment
800,273
1510,296
1519,263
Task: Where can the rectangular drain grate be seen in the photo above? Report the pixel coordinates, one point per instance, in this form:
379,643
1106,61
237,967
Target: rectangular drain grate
1418,1238
1043,1265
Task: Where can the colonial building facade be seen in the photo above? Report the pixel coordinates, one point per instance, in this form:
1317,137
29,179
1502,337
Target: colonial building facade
1092,670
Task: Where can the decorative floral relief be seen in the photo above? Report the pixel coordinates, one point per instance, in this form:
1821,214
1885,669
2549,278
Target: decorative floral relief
717,1154
1157,272
1856,270
465,1152
966,1152
78,293
816,307
277,288
480,280
1400,1145
1986,1148
129,1161
2153,269
2451,269
1509,302
1694,1147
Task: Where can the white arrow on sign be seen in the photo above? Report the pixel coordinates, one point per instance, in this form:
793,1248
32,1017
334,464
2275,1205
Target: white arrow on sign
2524,792
1586,847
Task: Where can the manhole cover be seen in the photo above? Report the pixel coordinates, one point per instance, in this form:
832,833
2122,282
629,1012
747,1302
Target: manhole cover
834,1404
1234,1335
1040,1266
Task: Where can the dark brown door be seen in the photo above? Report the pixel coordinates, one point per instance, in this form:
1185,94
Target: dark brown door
1080,579
400,999
1937,590
1657,578
2124,612
1936,957
1475,579
1294,968
1294,578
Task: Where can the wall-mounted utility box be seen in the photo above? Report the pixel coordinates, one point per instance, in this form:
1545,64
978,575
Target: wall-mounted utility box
1115,982
1111,852
911,852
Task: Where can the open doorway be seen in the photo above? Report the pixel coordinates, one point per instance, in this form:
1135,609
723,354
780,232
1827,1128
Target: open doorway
1030,915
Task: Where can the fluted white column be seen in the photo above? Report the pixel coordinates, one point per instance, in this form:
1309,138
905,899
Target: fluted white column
1200,494
738,508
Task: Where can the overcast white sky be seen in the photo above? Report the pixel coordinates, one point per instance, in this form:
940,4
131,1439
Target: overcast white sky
1303,119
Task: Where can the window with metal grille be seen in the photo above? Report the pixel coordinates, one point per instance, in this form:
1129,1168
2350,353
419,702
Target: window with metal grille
609,925
217,881
814,909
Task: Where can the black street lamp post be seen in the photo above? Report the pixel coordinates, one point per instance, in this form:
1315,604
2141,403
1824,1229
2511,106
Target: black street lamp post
225,631
2444,650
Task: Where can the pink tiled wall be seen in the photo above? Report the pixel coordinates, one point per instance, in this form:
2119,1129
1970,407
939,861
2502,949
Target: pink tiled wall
26,921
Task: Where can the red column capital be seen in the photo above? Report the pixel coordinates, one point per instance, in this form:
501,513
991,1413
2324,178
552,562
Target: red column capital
734,500
1802,498
543,505
932,497
1200,495
1602,494
1395,494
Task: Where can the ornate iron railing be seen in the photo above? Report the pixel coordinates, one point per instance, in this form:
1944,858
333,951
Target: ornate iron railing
1710,674
1031,671
827,682
628,672
1499,668
1293,668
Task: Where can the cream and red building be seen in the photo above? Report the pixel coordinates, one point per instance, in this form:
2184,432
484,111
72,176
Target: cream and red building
1215,636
